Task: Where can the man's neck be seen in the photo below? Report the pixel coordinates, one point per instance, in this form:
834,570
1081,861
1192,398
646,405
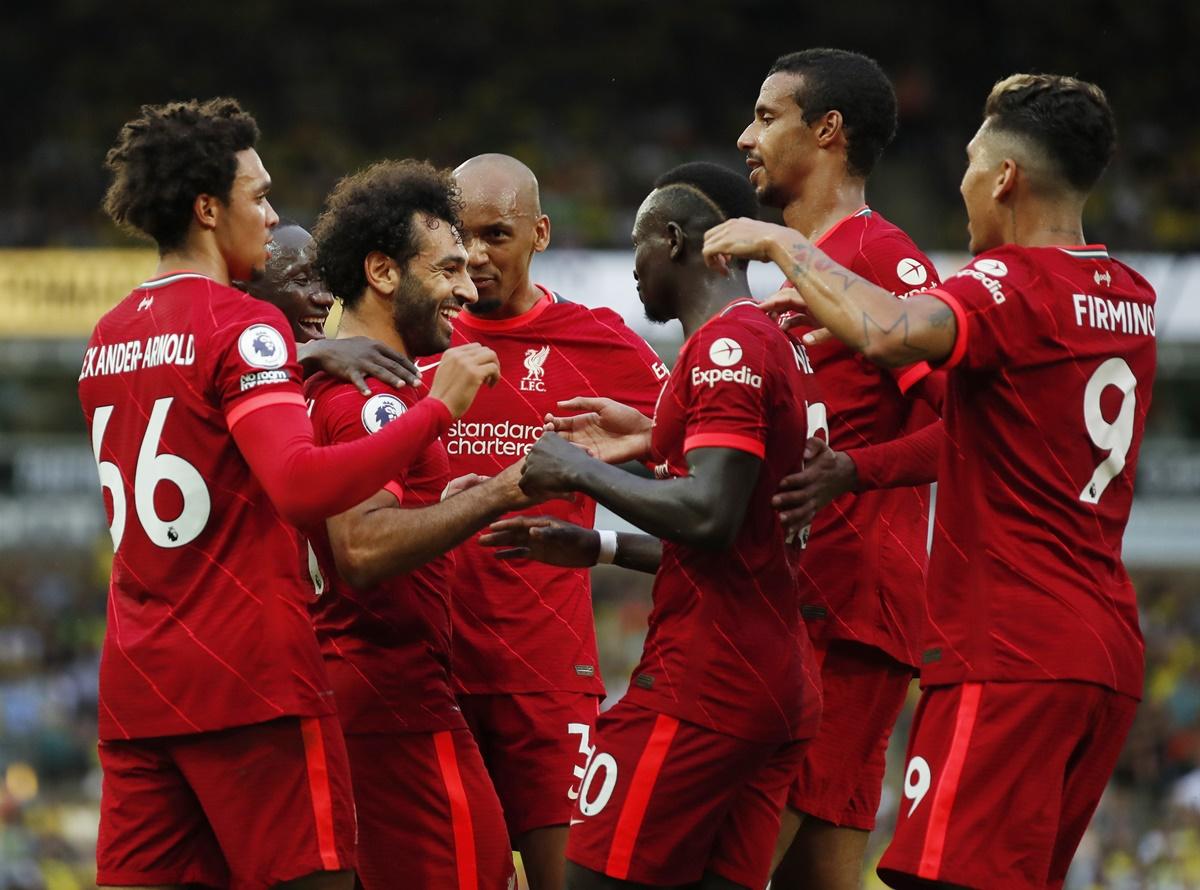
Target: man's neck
1033,223
824,203
365,321
709,296
524,298
194,258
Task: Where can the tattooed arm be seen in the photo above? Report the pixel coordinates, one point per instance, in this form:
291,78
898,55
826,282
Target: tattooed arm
887,330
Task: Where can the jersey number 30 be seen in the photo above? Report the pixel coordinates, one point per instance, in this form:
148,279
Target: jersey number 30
153,468
1115,437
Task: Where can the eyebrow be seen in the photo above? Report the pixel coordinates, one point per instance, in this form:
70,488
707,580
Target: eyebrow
451,259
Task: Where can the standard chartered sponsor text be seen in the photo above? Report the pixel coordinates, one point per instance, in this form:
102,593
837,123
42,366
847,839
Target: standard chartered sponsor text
503,438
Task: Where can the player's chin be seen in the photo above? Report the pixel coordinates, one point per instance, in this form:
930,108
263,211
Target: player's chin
440,341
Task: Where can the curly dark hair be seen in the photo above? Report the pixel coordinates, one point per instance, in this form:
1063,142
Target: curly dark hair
1069,119
167,156
374,209
855,85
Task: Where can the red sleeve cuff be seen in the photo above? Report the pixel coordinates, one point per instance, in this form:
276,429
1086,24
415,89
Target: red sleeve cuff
396,490
725,440
960,317
240,409
907,378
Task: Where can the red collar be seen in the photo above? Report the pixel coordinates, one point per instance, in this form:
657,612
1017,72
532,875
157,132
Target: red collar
507,324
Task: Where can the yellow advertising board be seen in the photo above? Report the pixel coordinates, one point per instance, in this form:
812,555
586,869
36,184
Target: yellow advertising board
56,292
52,292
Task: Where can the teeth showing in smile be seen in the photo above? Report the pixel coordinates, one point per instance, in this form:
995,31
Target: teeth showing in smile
313,319
448,313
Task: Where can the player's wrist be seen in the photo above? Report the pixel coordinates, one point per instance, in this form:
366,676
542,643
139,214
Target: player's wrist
847,470
778,252
441,412
607,546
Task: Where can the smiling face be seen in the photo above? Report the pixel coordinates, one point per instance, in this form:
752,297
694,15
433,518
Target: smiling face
243,225
433,289
780,147
291,283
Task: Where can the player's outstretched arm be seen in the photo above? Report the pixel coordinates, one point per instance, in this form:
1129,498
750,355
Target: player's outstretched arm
307,483
902,462
354,359
703,509
887,330
381,538
561,543
610,431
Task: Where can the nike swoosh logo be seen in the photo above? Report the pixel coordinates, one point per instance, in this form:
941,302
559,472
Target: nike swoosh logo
575,822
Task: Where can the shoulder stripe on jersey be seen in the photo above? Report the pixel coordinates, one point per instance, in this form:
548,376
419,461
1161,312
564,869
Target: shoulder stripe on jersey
266,400
747,301
170,279
1097,252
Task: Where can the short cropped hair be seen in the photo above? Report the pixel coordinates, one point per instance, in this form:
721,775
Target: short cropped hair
167,156
1069,119
701,195
374,209
728,195
853,84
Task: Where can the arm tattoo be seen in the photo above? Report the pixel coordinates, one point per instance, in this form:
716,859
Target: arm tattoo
901,323
941,317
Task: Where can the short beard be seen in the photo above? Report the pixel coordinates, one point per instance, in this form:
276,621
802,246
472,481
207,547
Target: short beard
416,319
657,317
772,196
485,307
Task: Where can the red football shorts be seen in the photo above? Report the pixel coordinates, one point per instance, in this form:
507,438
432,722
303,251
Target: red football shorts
1001,781
663,801
841,777
428,817
247,807
534,745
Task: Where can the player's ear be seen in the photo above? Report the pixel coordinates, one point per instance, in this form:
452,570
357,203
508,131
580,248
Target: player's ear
1006,179
676,238
206,209
541,233
381,272
829,128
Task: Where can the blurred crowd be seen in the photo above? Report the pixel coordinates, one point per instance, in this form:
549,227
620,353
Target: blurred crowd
597,96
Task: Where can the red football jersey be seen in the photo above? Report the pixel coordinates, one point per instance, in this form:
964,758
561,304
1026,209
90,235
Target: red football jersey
864,577
1052,373
726,647
207,618
528,627
387,648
